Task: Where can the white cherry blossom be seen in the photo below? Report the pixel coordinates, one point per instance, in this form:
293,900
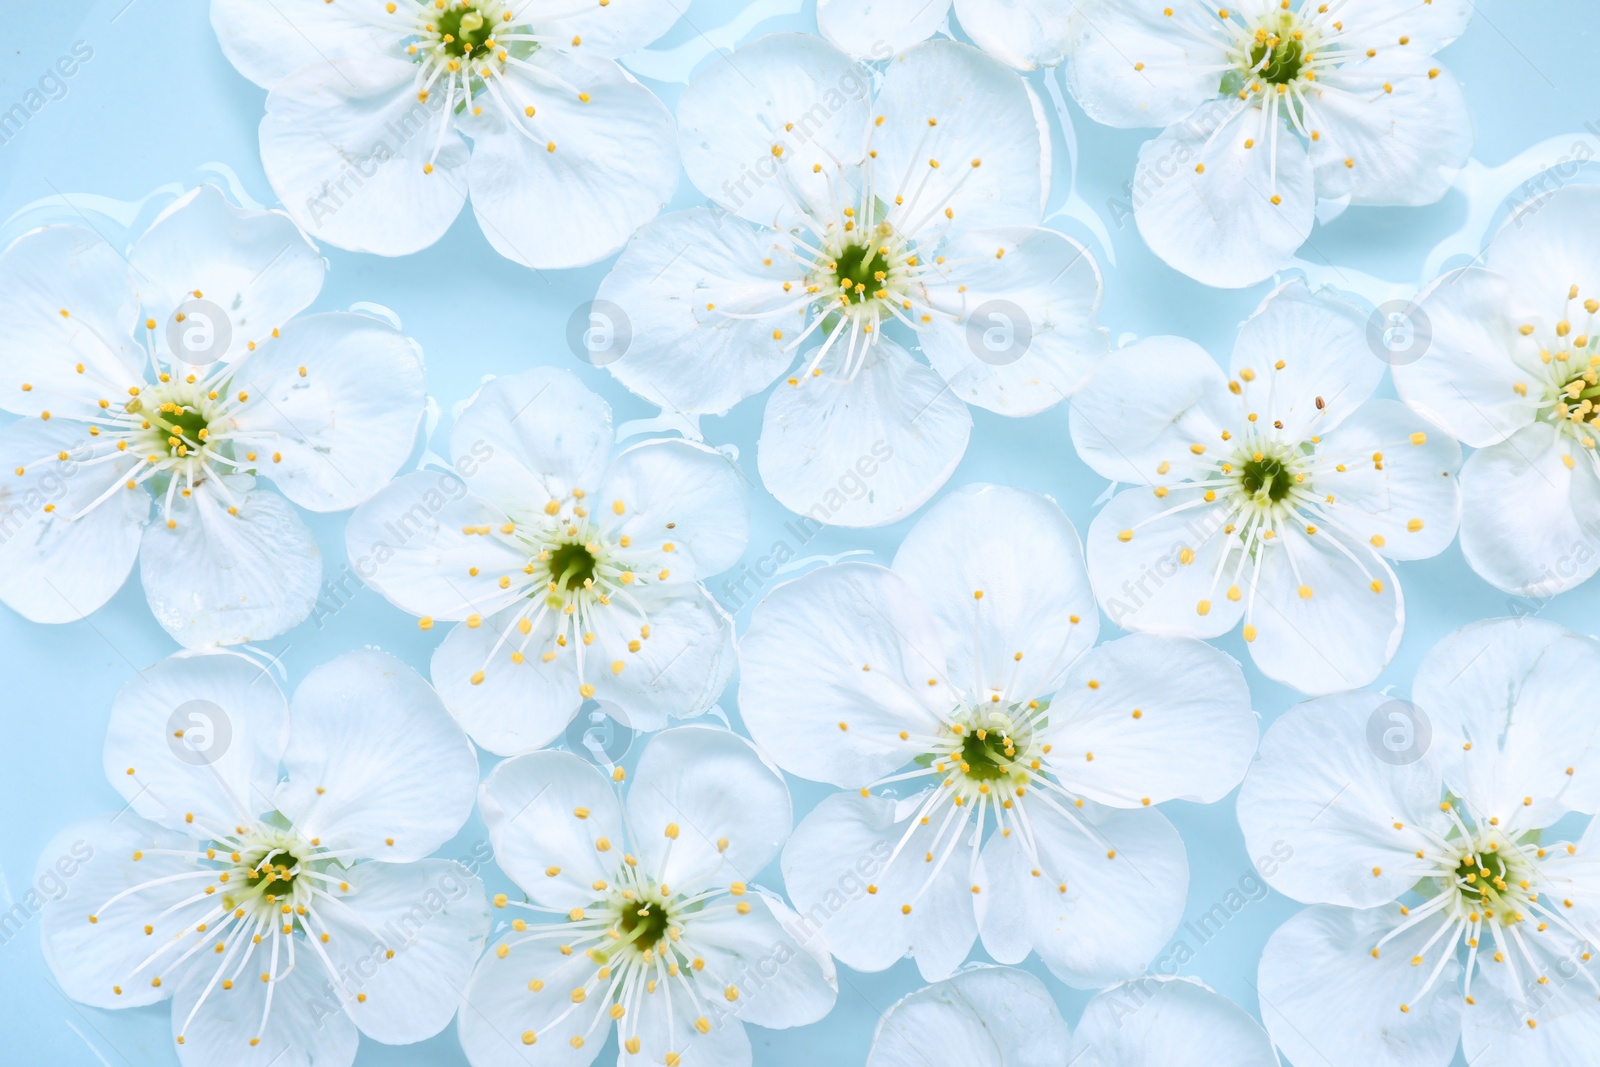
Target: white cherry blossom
1001,773
1023,33
1276,494
183,371
1002,1017
1270,106
573,572
1509,362
641,912
383,118
283,917
1447,901
850,224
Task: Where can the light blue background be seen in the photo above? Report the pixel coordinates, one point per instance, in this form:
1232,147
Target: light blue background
157,104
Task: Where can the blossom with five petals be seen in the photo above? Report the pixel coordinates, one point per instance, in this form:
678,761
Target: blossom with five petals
912,212
1270,106
1447,902
1277,493
575,574
1001,772
224,385
282,918
661,931
384,117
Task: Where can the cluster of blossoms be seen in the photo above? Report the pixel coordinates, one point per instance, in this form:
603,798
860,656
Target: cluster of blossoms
998,772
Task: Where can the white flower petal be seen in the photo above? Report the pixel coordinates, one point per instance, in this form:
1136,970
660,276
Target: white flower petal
66,298
862,451
1320,339
872,915
1014,328
781,982
1424,28
410,543
1411,498
1168,576
344,144
256,266
62,564
613,167
234,721
875,29
755,122
504,1023
1126,876
1328,614
1561,1003
1528,520
675,284
375,764
985,112
981,1017
545,811
1002,571
1135,65
1146,404
536,436
848,644
514,707
683,493
664,1026
703,804
1023,33
420,928
1496,1032
266,39
1499,693
1322,991
1547,248
1219,224
221,578
612,29
1191,1025
1465,377
341,395
305,1026
1393,130
680,669
1193,736
91,960
1351,815
1575,875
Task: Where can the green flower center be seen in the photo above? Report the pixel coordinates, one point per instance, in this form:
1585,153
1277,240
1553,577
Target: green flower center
1266,474
987,755
463,30
860,270
571,565
1284,58
1482,878
273,874
644,924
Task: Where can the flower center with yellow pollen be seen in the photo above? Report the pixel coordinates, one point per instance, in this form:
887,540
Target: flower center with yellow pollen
463,29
